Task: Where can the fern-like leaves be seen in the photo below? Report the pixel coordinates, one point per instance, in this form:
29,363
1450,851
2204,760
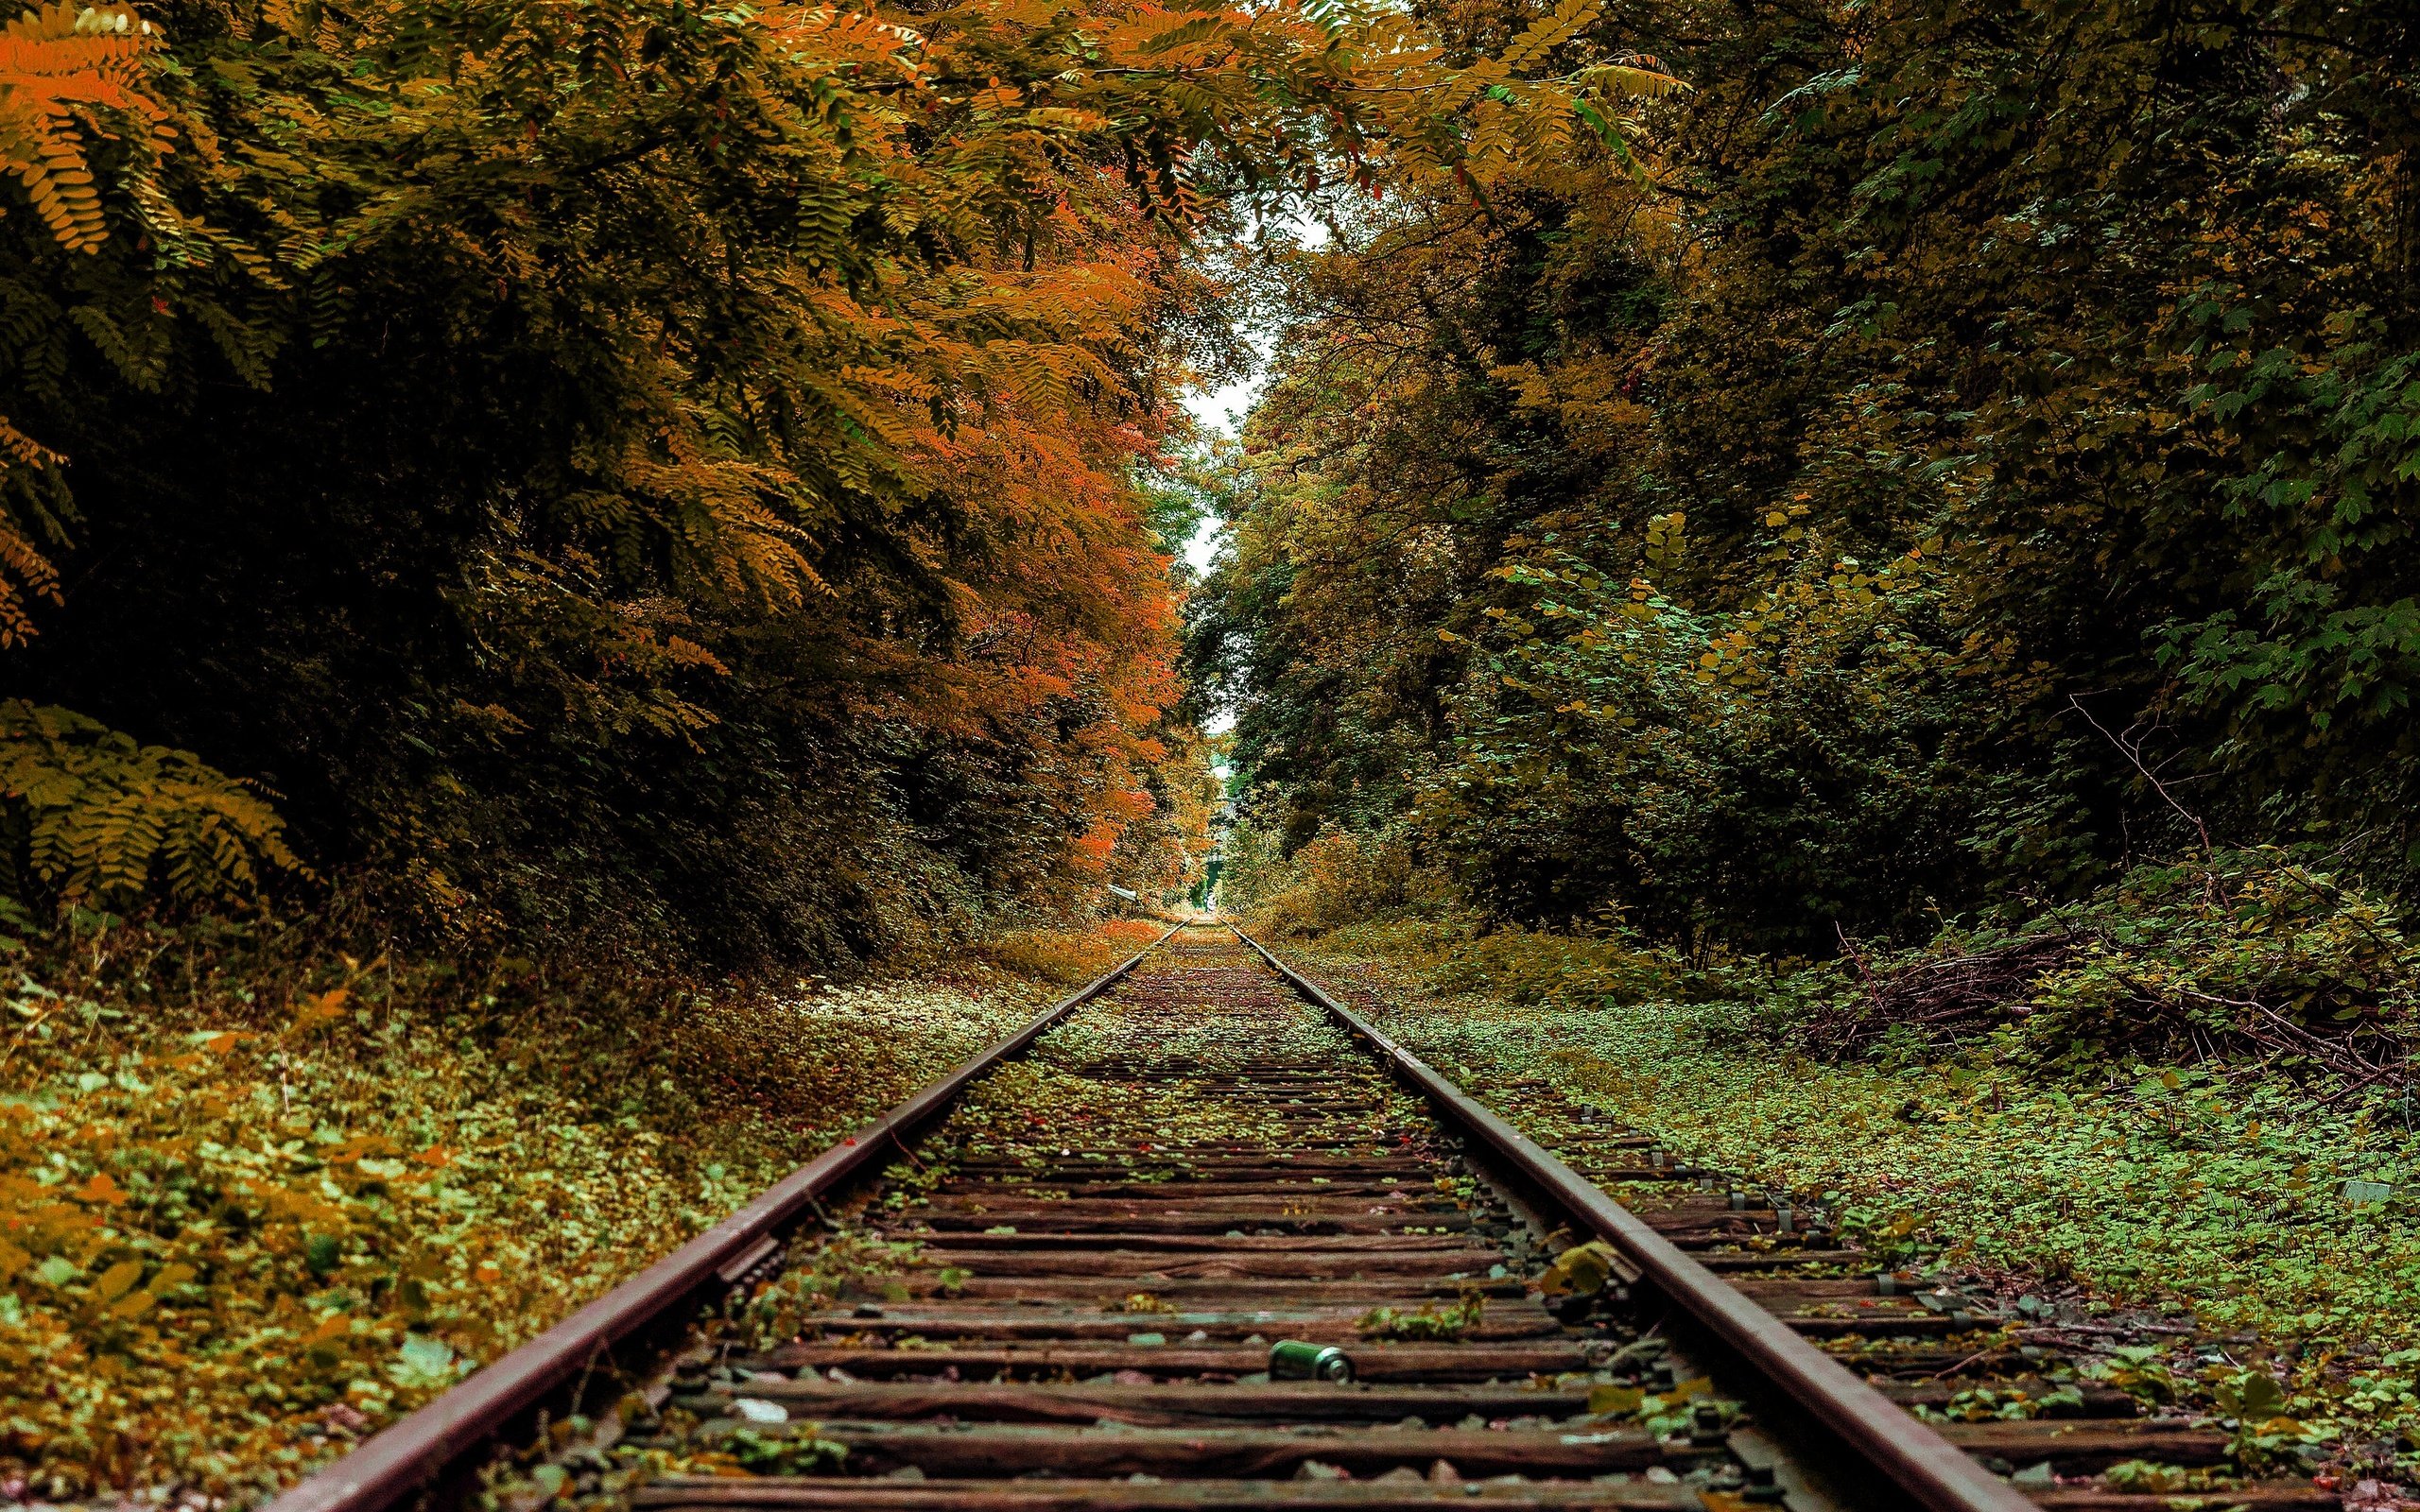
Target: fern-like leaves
90,817
63,67
32,503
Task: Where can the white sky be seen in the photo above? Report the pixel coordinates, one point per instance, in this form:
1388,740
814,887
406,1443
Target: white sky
1222,410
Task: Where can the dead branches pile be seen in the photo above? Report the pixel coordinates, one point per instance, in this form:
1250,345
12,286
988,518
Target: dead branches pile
1943,1000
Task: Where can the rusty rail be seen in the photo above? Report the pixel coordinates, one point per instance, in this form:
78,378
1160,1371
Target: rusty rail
1922,1463
410,1453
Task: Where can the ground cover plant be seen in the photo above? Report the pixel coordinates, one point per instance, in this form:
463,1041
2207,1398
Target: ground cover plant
259,1195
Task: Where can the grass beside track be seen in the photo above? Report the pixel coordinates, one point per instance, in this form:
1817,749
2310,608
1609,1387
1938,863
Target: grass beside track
258,1197
2156,1186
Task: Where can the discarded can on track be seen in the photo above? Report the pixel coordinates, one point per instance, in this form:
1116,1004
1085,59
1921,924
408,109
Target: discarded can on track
1295,1360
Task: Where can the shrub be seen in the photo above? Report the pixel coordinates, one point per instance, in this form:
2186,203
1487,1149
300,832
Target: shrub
1339,878
88,815
1069,954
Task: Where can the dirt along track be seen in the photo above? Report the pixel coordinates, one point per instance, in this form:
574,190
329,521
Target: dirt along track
1066,1295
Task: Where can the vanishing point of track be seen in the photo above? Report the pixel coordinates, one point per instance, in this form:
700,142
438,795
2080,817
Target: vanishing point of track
1054,1280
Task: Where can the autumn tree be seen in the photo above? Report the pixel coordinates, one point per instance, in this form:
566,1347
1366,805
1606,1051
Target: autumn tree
653,468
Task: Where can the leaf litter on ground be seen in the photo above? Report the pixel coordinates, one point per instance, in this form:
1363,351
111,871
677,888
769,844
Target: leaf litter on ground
258,1197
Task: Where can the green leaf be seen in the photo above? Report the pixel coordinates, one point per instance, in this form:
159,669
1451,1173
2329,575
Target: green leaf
423,1361
2256,1396
321,1253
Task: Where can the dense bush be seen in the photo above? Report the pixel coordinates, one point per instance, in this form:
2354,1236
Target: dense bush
1338,878
1066,957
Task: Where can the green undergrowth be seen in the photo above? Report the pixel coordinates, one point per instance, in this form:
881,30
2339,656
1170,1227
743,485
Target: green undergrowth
2199,1098
259,1193
1524,966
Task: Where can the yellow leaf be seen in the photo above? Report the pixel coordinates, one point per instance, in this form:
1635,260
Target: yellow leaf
1642,78
1580,1271
118,1279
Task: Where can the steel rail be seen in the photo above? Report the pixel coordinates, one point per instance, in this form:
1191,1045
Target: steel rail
410,1454
1928,1468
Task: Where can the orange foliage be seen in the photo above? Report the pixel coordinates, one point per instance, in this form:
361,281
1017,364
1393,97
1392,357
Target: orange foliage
63,66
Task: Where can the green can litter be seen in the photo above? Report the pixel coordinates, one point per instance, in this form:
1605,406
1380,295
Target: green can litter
1296,1360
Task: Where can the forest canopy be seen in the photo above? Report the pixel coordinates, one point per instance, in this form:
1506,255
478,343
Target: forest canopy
1949,453
712,474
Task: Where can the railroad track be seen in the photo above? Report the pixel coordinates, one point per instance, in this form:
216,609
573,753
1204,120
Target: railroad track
1114,1264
